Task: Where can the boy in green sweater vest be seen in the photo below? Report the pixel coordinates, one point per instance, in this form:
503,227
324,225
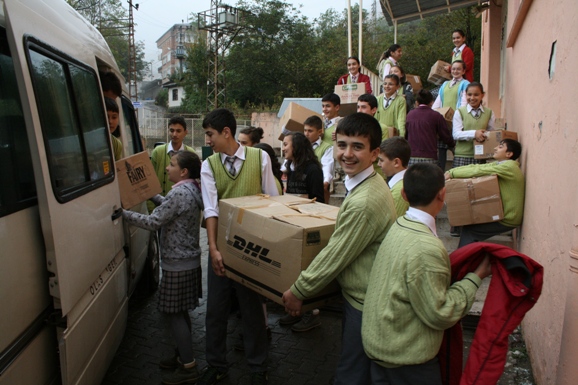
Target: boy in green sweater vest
313,130
362,222
409,301
330,105
161,155
232,171
512,186
393,158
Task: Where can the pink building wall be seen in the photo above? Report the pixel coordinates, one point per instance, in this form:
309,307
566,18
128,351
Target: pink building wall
544,113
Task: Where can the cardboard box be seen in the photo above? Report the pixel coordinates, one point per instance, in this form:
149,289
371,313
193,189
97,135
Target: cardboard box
349,93
415,82
392,131
474,200
293,118
438,74
267,241
500,124
485,150
447,113
136,179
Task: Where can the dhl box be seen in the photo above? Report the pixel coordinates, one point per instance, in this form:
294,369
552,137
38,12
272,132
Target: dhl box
267,241
137,179
438,74
349,93
293,118
473,200
485,150
415,82
447,113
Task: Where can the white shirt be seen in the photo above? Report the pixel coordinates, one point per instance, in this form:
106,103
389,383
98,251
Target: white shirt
396,178
459,49
327,162
387,67
458,125
392,98
423,217
351,183
209,186
171,148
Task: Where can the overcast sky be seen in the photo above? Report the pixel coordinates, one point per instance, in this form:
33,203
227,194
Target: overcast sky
155,17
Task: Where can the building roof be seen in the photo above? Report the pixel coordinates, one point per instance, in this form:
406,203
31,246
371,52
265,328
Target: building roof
401,11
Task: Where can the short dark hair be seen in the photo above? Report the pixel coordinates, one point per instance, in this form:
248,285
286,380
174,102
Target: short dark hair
475,84
360,124
396,147
422,182
461,32
394,77
220,118
333,98
424,97
109,82
464,66
514,147
314,121
178,120
369,99
190,161
354,58
110,104
255,134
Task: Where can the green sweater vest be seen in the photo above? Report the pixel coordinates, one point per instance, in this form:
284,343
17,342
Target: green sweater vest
451,95
393,116
512,186
327,134
320,150
401,205
242,184
465,148
409,301
362,223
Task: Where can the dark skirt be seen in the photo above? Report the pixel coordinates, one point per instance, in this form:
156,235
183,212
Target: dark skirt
462,161
180,290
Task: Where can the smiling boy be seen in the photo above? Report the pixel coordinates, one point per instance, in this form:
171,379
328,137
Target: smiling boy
330,105
313,130
362,222
512,185
391,108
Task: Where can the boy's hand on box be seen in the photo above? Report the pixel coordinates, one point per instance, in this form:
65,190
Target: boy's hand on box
217,263
292,304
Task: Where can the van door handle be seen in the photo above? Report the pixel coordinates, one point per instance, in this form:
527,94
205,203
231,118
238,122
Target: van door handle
116,214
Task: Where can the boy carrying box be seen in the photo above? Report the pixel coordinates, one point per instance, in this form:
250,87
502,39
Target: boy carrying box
409,301
393,159
362,222
511,181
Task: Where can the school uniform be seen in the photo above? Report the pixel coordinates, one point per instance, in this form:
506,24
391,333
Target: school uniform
395,186
360,78
391,112
330,126
324,153
465,54
248,173
465,124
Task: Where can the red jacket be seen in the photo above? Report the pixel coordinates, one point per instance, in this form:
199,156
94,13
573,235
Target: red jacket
514,289
361,78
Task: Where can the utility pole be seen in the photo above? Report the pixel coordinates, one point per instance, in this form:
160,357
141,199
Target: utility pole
132,90
223,23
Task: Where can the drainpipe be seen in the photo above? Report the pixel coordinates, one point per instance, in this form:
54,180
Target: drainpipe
349,28
360,42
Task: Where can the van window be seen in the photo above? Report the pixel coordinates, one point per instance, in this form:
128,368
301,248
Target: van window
74,125
17,189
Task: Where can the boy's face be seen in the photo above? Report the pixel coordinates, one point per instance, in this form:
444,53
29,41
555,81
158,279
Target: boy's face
354,154
387,165
312,133
218,142
329,110
177,134
389,87
365,108
501,152
112,121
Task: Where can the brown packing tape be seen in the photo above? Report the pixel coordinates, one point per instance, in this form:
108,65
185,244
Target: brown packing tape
240,215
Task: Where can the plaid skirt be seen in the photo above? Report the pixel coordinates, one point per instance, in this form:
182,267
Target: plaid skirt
422,160
180,290
461,161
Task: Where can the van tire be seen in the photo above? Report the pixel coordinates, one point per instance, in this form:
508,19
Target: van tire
151,273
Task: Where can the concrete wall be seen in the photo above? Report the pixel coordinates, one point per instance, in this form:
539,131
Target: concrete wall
543,112
269,122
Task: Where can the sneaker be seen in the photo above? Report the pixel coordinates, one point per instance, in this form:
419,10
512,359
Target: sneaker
289,320
182,375
211,375
259,378
455,231
172,362
308,322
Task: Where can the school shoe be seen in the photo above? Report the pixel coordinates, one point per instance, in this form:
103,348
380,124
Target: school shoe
172,362
182,375
259,378
308,322
211,375
456,231
289,320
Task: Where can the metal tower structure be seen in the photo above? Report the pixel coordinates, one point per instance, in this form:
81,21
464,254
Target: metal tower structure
223,23
132,90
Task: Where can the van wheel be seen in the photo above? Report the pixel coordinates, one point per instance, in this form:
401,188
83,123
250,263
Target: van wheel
151,273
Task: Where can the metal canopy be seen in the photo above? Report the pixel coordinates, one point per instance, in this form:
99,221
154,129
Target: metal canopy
401,11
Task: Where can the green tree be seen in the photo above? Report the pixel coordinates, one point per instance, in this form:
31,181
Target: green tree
194,79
